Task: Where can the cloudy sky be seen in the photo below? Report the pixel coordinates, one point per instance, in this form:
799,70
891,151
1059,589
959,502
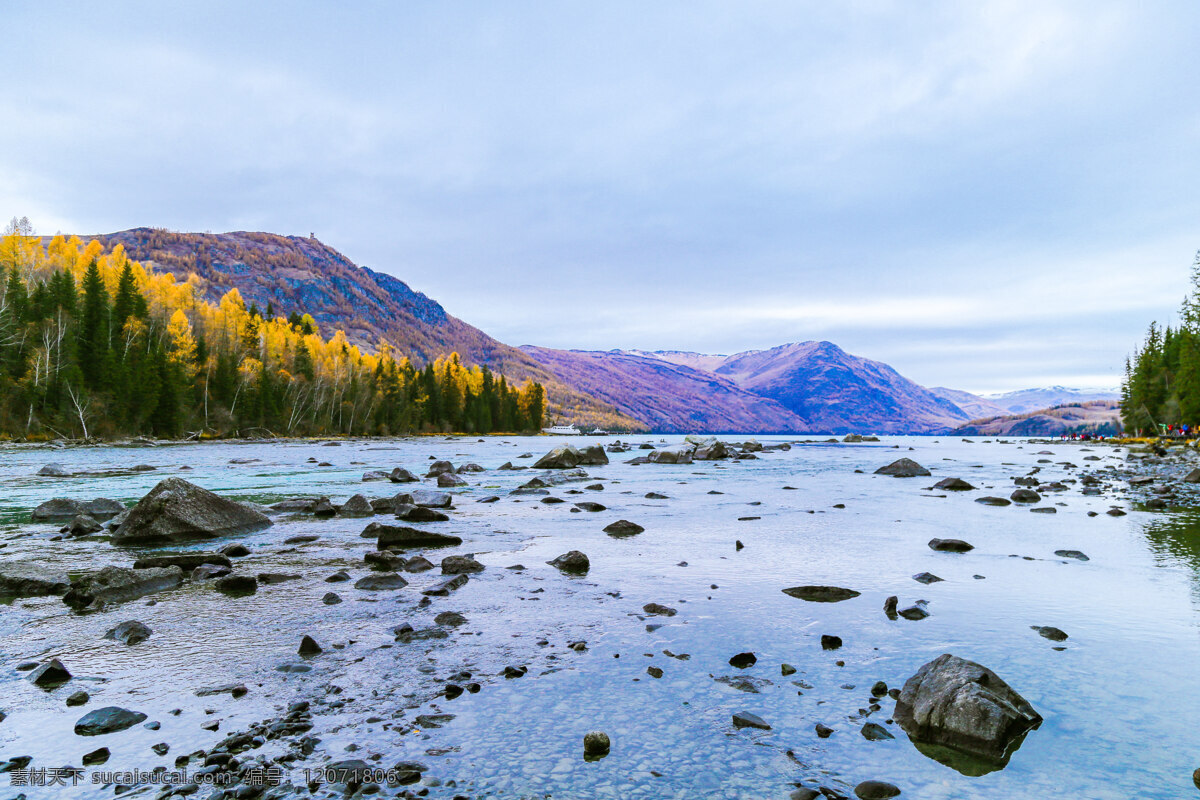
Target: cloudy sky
987,195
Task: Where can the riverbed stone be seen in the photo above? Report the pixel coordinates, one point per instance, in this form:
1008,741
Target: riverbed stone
411,513
404,537
903,468
449,480
953,485
426,498
58,509
120,585
572,562
237,585
950,545
456,565
109,719
186,561
821,594
993,501
596,744
623,527
178,510
876,790
745,719
1025,496
356,506
54,471
50,675
32,579
401,475
1050,632
673,454
380,581
130,632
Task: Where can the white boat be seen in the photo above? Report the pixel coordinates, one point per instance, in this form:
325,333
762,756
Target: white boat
598,432
563,430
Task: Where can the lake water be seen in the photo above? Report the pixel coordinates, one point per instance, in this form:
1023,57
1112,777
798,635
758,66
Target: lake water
1118,699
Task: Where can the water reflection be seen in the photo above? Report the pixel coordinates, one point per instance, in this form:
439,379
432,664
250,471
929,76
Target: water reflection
1175,540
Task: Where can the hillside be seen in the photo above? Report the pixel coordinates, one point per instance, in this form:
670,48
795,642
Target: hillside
1024,401
1096,416
668,397
302,274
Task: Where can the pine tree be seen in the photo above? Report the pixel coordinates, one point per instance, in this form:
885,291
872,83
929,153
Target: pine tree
93,342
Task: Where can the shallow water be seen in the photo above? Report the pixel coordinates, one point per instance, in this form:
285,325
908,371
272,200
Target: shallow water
1119,713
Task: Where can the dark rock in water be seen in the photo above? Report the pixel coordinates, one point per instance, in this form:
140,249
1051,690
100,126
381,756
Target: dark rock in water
673,454
950,546
401,475
232,689
874,732
120,585
552,500
567,457
185,561
914,612
573,562
1025,496
964,707
595,487
418,564
1115,512
489,499
323,509
420,514
50,675
447,586
403,537
448,480
623,527
269,578
381,581
78,698
903,468
457,565
31,579
103,509
303,538
331,599
237,585
743,660
823,731
589,506
656,496
452,618
439,468
876,790
83,525
1050,632
374,475
54,471
658,609
470,467
309,647
1193,477
130,632
1044,510
993,501
356,506
879,689
821,594
744,719
953,485
926,578
889,607
176,509
1196,778
383,560
302,504
341,576
109,719
1076,554
426,498
596,744
60,509
99,756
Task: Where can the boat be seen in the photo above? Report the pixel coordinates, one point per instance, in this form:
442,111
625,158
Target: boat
563,430
598,432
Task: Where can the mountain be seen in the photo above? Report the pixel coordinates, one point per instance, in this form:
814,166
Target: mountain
974,406
1095,416
669,397
1026,400
302,274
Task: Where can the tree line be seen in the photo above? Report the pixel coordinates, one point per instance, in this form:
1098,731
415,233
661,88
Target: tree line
1162,377
92,343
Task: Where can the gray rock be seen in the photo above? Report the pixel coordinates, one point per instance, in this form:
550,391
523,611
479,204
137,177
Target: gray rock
374,475
567,457
876,790
993,501
1078,555
403,537
59,509
418,564
469,467
185,561
449,480
744,719
98,756
821,594
1050,632
874,732
237,585
927,578
1025,496
54,471
445,587
903,468
953,485
658,609
380,581
426,498
457,565
103,509
950,546
120,585
31,579
109,719
958,704
78,698
401,475
130,632
914,612
596,744
50,675
673,454
420,514
207,572
331,599
623,527
439,468
176,509
356,506
587,505
573,562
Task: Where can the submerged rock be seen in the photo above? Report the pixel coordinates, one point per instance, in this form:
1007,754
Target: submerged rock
131,632
109,719
1078,555
176,509
120,585
187,561
821,594
573,562
903,468
965,707
993,501
1050,632
356,506
58,509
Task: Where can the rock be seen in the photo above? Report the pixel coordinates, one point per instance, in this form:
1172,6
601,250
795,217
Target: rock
323,509
744,719
829,642
879,689
950,546
889,607
381,581
130,633
958,704
302,504
1047,510
567,457
120,585
54,471
356,506
1050,632
903,468
50,675
993,501
573,563
403,537
451,618
1192,477
623,527
1025,496
821,594
743,660
186,561
383,560
439,468
231,689
103,509
491,498
657,609
876,790
109,719
457,565
1075,554
926,578
206,572
823,731
674,454
874,732
78,698
341,576
303,538
237,585
31,579
914,612
596,744
420,514
60,509
176,509
586,505
99,756
401,475
331,599
1115,512
374,475
426,498
654,672
656,496
309,646
418,564
449,480
447,586
469,467
953,485
786,669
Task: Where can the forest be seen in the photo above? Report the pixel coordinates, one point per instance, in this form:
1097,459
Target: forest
93,344
1162,377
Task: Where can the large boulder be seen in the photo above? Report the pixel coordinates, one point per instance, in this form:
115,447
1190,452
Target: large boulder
903,468
426,498
403,537
103,509
567,457
31,579
401,475
107,720
176,509
953,707
673,454
120,585
356,506
54,471
59,509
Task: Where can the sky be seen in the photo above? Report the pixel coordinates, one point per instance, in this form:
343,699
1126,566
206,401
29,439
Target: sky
986,195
